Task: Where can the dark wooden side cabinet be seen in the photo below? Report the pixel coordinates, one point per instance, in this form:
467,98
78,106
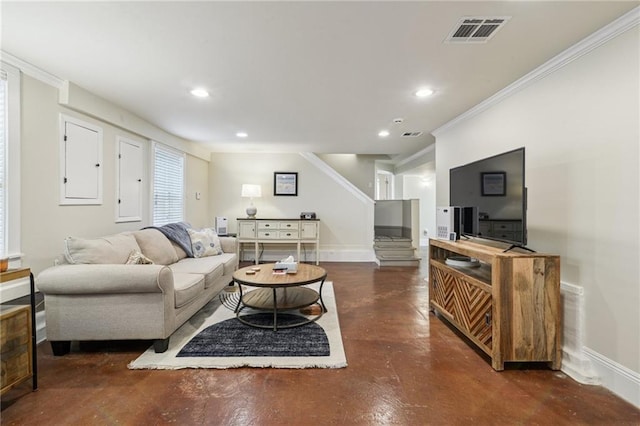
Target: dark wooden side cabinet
509,306
18,337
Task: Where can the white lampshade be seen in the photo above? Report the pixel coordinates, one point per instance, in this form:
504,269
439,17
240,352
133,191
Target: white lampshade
251,191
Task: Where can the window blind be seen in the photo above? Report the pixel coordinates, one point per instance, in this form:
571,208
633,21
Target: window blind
168,186
3,162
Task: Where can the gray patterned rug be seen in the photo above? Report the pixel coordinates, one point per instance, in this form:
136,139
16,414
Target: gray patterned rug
214,338
232,338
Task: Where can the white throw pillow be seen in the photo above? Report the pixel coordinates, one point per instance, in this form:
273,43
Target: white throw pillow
114,249
154,245
205,242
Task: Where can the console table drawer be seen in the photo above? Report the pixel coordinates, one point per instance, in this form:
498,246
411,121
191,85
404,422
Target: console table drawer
289,225
266,235
278,235
288,235
263,224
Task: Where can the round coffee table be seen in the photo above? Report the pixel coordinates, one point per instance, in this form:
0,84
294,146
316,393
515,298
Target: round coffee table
279,292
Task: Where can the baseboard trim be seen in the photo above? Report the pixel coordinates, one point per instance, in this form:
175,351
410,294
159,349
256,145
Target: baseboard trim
326,255
577,366
617,378
41,327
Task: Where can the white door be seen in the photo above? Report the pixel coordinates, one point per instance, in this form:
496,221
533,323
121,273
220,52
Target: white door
130,174
82,163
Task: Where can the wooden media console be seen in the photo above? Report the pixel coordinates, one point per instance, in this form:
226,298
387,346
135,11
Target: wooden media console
509,305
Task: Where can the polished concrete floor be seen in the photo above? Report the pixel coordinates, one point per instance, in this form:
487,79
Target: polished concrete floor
406,367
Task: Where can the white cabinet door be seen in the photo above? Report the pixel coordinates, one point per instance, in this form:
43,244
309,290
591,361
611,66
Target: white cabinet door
308,230
247,229
80,162
130,174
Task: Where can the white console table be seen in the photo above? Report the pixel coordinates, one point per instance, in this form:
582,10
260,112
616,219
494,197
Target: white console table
279,231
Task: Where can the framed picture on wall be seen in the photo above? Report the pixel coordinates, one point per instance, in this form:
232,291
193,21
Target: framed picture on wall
285,183
494,183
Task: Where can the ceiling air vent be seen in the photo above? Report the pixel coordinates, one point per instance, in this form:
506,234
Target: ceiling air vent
411,134
476,30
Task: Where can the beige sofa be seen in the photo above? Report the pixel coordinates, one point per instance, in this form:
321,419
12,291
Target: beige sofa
95,295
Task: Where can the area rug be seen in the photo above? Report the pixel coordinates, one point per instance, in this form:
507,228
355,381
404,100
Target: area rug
214,338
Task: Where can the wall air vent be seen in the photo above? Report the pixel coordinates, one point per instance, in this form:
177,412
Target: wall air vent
476,29
411,134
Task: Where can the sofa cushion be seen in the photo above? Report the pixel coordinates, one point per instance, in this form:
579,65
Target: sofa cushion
156,246
229,244
230,261
211,267
205,242
111,249
187,287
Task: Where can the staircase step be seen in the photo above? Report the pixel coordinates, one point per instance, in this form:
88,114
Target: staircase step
382,238
402,253
414,262
395,251
394,248
392,244
402,256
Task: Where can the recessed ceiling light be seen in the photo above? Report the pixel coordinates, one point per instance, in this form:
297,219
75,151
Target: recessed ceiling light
200,93
424,92
242,134
383,133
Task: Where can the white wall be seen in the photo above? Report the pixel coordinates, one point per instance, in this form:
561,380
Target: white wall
197,180
580,126
360,170
424,189
346,222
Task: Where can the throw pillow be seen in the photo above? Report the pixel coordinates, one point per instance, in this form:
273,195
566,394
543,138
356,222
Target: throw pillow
111,249
205,242
156,246
137,258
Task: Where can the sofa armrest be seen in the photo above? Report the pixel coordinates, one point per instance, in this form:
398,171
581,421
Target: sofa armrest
229,244
105,279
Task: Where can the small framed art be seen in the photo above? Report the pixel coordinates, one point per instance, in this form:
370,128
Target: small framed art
285,183
494,183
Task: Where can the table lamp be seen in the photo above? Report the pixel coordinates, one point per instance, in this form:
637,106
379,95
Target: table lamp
251,191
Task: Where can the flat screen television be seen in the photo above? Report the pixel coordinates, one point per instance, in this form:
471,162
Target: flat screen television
492,196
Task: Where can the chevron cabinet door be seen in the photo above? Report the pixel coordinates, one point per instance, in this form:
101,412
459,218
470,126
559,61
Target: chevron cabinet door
472,307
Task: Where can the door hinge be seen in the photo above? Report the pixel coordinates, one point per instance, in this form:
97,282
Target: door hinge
119,201
119,156
487,319
64,180
65,138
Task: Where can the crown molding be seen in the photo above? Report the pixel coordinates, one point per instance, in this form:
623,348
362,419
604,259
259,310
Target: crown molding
31,70
586,45
416,155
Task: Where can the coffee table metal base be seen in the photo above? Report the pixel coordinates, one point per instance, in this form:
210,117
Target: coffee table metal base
278,300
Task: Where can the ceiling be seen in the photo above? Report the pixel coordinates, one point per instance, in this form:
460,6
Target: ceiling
321,76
